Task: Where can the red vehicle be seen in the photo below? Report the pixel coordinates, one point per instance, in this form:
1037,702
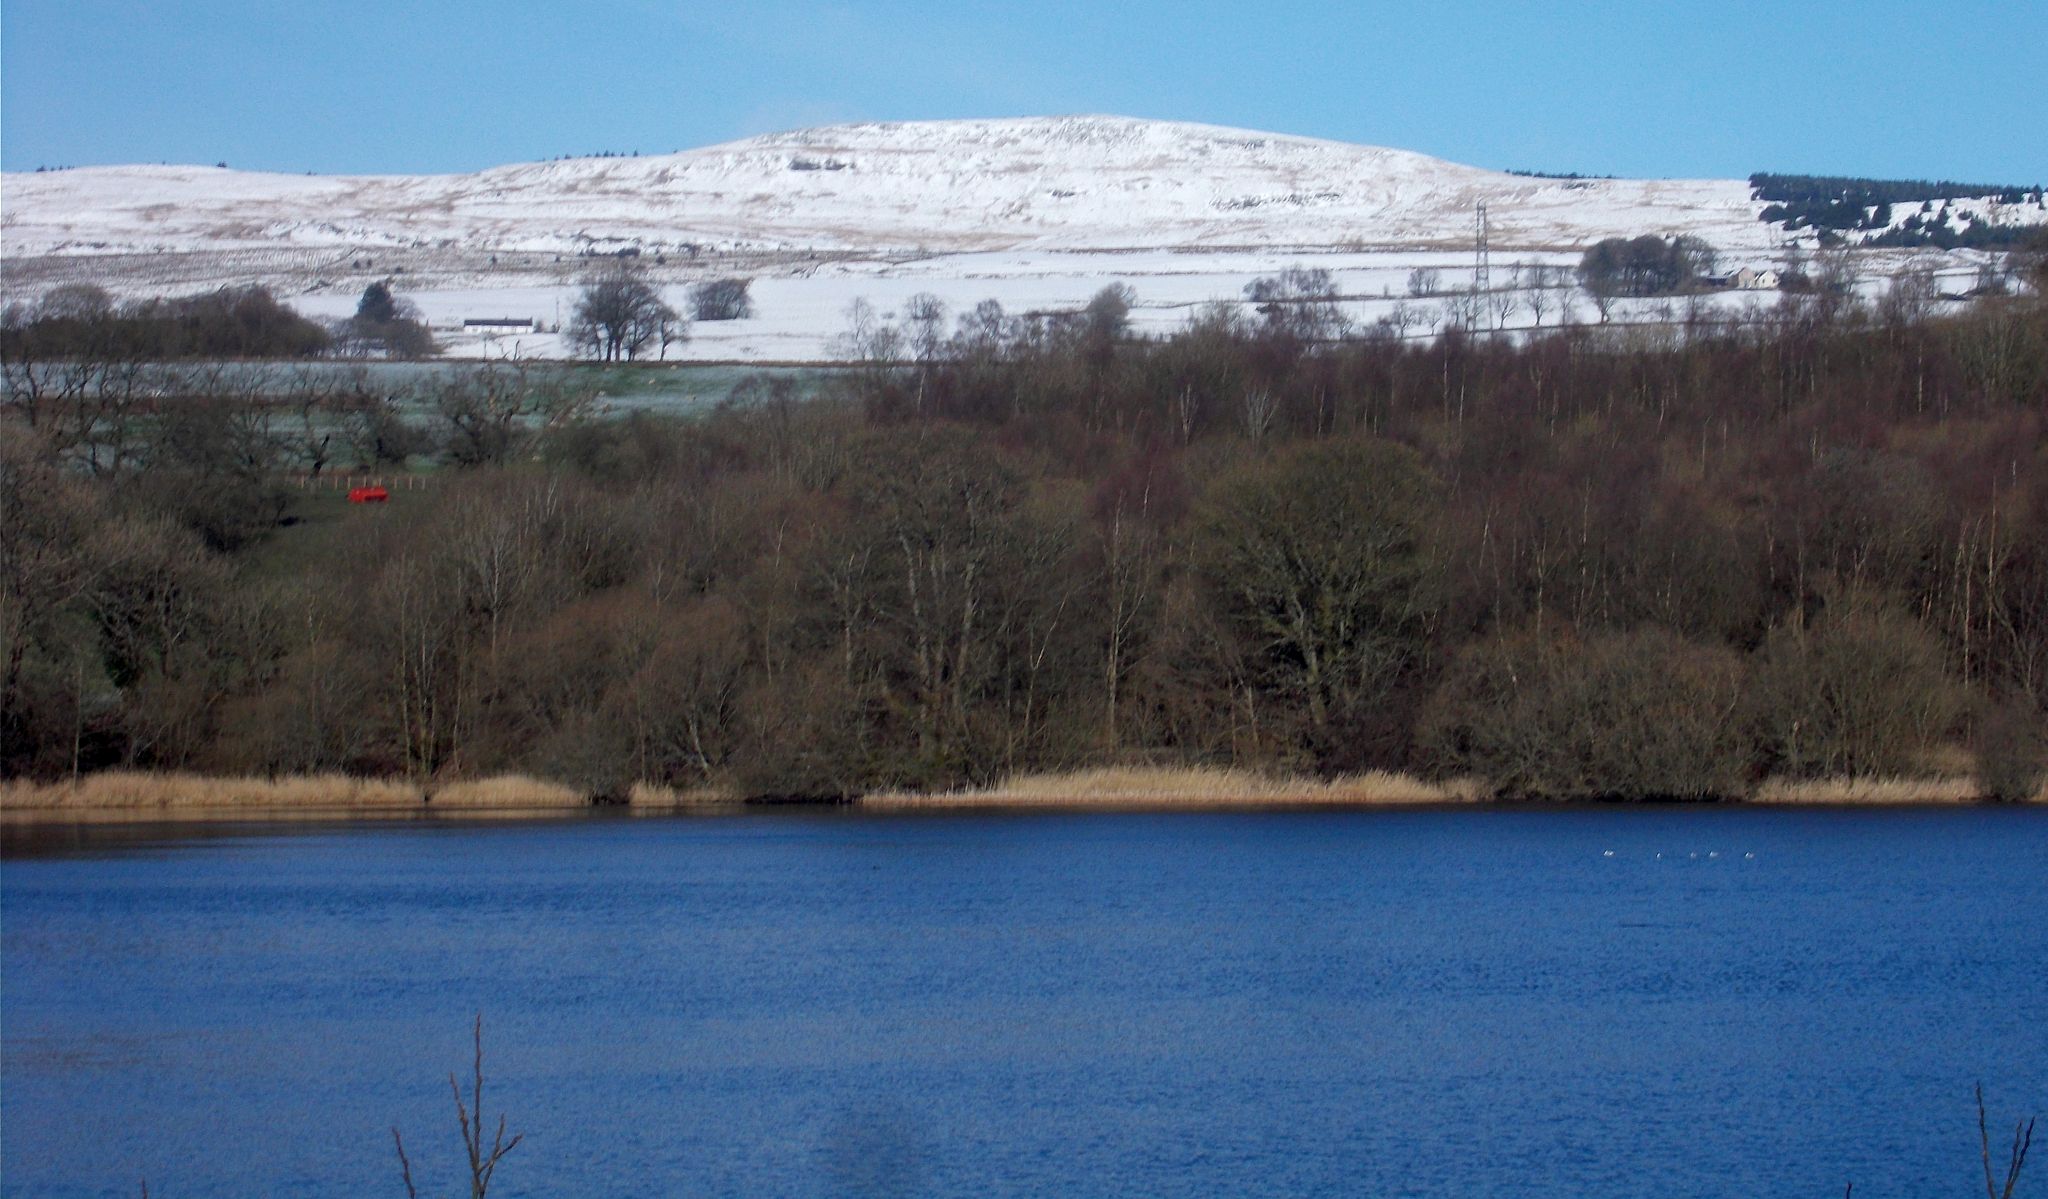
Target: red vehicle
368,495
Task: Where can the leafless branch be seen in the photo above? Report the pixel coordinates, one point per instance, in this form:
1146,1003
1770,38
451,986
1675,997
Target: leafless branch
469,1115
2022,1140
404,1166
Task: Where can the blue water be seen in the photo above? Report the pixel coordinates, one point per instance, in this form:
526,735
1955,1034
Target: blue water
1441,1003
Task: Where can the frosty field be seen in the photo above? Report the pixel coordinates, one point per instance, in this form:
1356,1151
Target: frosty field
1035,213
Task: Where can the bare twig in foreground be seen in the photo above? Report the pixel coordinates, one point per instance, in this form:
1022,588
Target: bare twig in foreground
481,1165
2022,1140
404,1164
470,1115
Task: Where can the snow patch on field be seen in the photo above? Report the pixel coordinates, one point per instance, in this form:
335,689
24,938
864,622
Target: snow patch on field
1036,213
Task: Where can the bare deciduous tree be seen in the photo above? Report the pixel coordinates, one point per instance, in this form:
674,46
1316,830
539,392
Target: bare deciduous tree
1256,411
1502,303
500,411
1911,295
925,315
1534,280
617,313
1300,303
1317,558
1462,310
721,300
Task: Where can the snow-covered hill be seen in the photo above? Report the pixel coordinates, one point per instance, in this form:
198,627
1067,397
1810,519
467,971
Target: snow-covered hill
1067,183
1035,213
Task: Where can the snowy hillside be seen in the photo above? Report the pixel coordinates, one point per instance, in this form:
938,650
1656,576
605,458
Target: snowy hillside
1070,183
1034,213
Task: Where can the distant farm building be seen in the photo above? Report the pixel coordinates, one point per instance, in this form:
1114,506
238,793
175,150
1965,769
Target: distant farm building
1745,279
500,324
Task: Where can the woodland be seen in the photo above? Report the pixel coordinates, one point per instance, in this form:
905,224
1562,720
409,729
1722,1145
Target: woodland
1646,563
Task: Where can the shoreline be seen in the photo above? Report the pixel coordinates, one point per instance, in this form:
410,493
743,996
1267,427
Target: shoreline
1199,788
140,798
1188,788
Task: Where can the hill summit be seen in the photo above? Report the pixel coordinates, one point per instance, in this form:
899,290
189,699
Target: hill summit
1041,183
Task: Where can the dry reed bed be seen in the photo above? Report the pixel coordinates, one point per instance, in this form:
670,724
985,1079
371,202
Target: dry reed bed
137,791
507,791
138,795
144,794
1870,791
1191,787
1200,788
653,797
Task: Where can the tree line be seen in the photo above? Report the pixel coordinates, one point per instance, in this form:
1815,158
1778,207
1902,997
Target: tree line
1628,563
1836,205
1841,202
619,313
82,322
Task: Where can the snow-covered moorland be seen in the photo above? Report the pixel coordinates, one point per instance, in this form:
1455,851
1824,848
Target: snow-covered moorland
1035,213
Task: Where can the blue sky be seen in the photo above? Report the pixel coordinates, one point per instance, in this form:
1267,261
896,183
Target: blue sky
1948,88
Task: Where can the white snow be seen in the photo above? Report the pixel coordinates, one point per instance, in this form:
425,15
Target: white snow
1043,183
1037,213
